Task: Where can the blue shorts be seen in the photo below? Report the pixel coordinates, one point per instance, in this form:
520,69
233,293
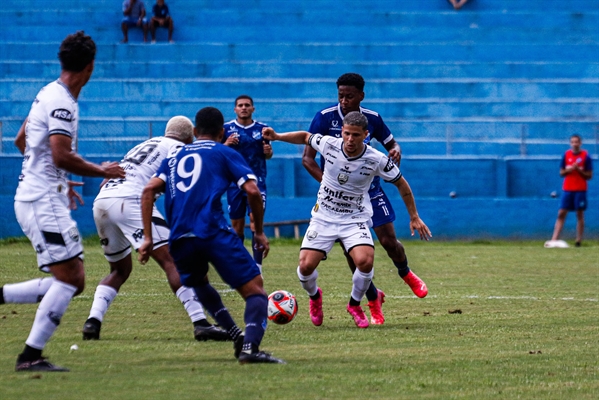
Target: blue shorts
573,201
226,253
382,209
238,202
132,22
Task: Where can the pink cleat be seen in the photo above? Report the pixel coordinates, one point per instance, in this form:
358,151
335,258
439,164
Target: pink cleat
416,284
376,309
316,310
359,317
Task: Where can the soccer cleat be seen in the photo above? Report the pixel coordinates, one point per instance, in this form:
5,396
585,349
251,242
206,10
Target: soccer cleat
204,333
376,309
358,314
91,329
316,310
416,284
41,365
238,345
259,357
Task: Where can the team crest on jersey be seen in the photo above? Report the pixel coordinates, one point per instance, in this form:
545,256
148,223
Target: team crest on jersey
342,178
311,235
74,234
61,113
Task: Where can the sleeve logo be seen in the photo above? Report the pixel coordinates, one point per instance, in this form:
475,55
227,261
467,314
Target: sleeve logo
390,165
61,113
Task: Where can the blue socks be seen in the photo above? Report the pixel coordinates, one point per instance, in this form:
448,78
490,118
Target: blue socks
255,321
212,302
402,268
372,293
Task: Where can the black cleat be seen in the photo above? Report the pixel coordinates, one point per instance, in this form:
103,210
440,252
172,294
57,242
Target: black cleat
41,365
259,357
91,329
238,345
203,333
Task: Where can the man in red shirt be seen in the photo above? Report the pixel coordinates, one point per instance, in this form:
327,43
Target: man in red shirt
576,168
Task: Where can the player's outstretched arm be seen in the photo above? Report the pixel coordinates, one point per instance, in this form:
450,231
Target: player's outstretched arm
154,187
416,224
256,205
298,137
64,158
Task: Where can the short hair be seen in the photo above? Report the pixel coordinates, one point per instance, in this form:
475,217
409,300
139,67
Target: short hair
356,118
180,128
209,121
244,96
351,79
577,136
76,51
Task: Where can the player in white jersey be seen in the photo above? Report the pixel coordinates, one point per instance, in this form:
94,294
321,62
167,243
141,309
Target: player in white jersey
117,215
343,209
48,142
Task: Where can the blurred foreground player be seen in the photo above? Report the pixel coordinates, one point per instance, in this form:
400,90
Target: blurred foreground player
117,215
577,168
329,121
193,181
343,209
44,195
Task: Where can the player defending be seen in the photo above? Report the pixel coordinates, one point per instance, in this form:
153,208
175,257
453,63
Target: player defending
245,135
44,195
193,182
576,168
343,209
118,219
350,91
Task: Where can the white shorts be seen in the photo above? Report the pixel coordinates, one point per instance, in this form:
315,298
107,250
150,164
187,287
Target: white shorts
119,225
321,236
48,224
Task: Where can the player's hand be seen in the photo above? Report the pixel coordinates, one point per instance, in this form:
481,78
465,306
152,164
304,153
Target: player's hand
261,244
267,150
113,170
144,251
232,140
395,156
269,134
416,224
73,195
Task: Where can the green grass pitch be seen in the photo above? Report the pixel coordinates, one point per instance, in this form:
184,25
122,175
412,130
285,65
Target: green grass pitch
528,329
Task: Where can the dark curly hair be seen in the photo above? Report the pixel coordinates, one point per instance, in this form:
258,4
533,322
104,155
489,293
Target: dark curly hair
351,79
209,121
76,52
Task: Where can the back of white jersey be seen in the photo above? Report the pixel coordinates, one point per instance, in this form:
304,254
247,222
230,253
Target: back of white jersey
140,164
53,112
343,194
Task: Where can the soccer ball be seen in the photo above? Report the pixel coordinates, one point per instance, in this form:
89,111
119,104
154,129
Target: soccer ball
282,307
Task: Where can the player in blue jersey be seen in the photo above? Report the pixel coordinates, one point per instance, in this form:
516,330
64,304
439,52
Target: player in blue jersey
329,121
193,180
244,135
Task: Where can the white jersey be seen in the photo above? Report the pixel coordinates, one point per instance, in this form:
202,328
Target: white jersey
343,194
140,164
53,112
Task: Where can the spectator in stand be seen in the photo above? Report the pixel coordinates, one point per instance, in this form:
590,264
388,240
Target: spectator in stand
161,18
135,16
457,4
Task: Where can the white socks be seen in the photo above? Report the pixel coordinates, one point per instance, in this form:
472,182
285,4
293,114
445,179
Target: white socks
102,300
27,292
309,282
188,298
361,283
50,311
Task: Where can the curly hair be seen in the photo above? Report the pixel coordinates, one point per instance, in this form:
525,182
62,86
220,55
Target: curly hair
351,79
77,50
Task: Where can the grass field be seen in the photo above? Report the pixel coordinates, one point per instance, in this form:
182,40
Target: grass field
528,329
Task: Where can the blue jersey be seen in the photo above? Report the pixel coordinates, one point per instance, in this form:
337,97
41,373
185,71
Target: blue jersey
196,178
330,121
250,147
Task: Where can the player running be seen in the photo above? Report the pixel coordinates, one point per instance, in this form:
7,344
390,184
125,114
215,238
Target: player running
193,182
244,135
350,90
49,143
117,215
343,209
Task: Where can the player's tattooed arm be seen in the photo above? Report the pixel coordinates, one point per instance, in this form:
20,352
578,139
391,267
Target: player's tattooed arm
416,224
